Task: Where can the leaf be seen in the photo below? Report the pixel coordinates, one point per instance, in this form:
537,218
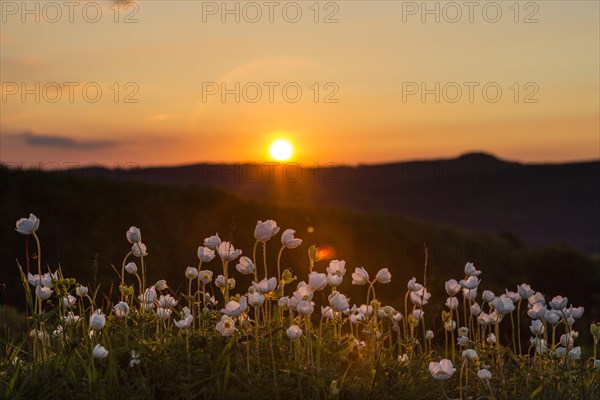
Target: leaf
536,392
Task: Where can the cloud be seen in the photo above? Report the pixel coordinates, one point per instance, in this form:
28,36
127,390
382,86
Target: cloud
33,139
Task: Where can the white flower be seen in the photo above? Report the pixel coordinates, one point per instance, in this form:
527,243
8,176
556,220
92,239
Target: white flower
305,307
317,280
266,285
559,302
226,326
429,335
452,303
365,310
450,325
69,300
537,327
27,226
513,296
185,322
135,359
536,298
452,287
304,292
139,249
484,374
413,286
292,303
227,252
245,266
234,308
403,359
337,267
43,292
575,353
148,296
191,273
97,320
161,284
384,276
470,355
206,276
525,291
360,276
81,291
33,280
471,283
560,352
470,270
121,309
567,340
46,279
163,313
133,235
442,370
503,306
491,339
597,363
484,319
256,299
206,254
212,242
475,309
488,296
339,302
576,312
265,230
418,314
553,317
327,312
420,297
283,302
99,351
220,281
294,332
334,280
70,318
463,341
166,301
537,311
131,268
288,239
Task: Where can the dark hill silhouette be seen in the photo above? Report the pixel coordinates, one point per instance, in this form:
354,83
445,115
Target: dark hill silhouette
541,203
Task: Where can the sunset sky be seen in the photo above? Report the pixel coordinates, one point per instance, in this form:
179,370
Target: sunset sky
368,60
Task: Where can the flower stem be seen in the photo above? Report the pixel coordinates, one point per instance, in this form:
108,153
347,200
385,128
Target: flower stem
123,275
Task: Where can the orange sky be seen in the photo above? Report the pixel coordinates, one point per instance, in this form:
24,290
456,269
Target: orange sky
374,62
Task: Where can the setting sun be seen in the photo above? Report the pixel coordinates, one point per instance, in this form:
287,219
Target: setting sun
281,150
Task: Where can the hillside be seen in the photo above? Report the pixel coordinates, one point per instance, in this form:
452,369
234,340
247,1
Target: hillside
541,203
83,219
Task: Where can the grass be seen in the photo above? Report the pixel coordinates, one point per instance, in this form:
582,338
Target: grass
360,349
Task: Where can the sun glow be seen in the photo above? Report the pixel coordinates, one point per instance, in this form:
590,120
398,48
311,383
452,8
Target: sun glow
281,150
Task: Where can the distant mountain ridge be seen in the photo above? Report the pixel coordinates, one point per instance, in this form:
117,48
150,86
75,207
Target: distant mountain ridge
540,203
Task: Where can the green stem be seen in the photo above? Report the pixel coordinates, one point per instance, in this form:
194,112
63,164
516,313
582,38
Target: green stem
279,269
123,274
265,259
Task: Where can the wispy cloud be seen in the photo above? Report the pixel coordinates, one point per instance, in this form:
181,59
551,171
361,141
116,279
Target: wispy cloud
34,139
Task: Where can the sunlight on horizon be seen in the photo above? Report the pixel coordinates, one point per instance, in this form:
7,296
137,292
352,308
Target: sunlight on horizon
281,150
